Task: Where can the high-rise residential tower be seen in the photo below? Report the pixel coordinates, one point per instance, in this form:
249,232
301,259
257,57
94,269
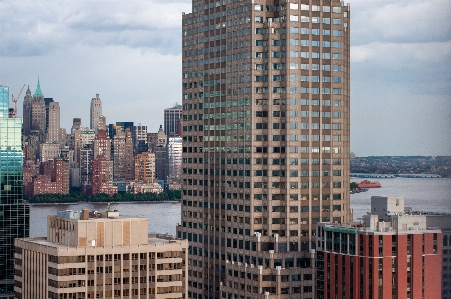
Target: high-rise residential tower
14,215
96,112
172,118
266,142
123,161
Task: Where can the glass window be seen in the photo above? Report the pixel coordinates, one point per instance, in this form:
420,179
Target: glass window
294,30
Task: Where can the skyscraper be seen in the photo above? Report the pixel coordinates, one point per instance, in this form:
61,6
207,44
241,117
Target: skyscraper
96,112
34,112
172,118
123,162
53,119
266,142
14,215
174,160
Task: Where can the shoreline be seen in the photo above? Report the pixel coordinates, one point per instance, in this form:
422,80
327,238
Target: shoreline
100,202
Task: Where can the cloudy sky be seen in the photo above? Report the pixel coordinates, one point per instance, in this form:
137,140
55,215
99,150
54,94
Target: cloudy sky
129,52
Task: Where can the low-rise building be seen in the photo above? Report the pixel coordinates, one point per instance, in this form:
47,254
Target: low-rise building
100,255
391,254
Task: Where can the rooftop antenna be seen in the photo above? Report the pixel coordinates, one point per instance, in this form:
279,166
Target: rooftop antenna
16,99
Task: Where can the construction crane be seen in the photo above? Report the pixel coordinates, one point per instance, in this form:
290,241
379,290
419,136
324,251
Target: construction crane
16,99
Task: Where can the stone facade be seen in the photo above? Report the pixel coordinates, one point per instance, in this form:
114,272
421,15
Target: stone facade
100,255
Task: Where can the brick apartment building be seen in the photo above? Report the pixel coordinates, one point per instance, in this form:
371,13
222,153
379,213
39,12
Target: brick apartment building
53,178
102,176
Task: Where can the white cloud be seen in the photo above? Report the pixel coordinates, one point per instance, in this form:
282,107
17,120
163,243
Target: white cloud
43,26
400,21
130,53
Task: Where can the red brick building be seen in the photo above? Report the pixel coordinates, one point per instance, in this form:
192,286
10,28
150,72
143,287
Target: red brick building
102,176
53,178
398,259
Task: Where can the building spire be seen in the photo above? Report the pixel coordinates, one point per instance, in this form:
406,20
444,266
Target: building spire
38,92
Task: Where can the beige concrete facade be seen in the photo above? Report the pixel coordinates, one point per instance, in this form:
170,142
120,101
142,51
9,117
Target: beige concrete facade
96,113
145,167
95,255
265,142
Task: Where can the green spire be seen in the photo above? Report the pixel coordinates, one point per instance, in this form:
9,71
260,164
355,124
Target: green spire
38,92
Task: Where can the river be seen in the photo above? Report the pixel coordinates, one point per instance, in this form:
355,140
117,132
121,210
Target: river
432,195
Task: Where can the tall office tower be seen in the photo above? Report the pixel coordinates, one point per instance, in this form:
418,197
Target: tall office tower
14,215
74,139
38,119
47,102
124,164
26,113
53,119
139,139
34,113
102,145
172,118
96,112
174,166
266,141
86,157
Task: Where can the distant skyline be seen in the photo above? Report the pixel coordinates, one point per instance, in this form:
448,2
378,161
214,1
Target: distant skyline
129,53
